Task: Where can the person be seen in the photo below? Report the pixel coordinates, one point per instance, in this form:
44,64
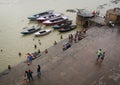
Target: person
70,39
84,31
61,37
35,46
111,24
27,75
46,51
30,58
39,43
38,50
64,47
9,67
99,52
55,43
102,57
39,71
72,36
19,53
94,13
68,45
75,40
30,74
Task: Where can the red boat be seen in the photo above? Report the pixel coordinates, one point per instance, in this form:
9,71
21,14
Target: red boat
56,20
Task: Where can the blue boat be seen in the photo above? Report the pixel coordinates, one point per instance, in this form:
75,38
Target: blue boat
31,30
35,16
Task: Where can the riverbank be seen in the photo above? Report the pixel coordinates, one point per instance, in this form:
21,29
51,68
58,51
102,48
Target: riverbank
13,22
77,65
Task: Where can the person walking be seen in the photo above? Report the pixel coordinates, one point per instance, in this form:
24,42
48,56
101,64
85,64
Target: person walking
99,53
39,71
103,56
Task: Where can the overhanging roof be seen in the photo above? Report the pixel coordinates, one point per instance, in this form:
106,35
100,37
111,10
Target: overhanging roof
84,13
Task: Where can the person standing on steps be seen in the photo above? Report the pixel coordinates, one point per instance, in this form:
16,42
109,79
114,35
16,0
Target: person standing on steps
99,53
39,71
30,74
102,57
27,75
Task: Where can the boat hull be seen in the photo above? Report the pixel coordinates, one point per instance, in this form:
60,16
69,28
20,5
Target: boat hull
27,31
66,29
54,21
42,33
62,25
47,17
35,16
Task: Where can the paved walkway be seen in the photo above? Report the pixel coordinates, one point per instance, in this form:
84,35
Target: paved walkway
77,65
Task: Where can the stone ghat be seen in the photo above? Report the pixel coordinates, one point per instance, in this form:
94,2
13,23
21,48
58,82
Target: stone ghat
76,65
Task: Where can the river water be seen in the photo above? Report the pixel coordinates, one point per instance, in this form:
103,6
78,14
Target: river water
13,18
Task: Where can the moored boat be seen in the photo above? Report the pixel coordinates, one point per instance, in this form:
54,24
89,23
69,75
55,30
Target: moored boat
35,16
42,32
69,28
56,20
62,25
49,16
30,30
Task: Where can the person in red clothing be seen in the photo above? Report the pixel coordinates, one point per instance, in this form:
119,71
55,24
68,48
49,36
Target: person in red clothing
94,13
30,74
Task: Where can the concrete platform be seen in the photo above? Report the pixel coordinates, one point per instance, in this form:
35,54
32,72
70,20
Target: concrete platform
77,65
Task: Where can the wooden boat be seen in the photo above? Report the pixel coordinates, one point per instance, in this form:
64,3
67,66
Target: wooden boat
35,16
42,32
56,20
49,16
30,30
62,25
69,28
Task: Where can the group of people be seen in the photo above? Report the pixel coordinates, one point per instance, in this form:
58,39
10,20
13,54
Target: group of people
66,46
77,37
28,74
100,55
30,57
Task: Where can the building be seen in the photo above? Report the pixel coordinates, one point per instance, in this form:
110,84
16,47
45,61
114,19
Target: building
85,18
113,15
82,18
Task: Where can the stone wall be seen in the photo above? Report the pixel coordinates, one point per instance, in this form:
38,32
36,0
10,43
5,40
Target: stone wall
112,15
